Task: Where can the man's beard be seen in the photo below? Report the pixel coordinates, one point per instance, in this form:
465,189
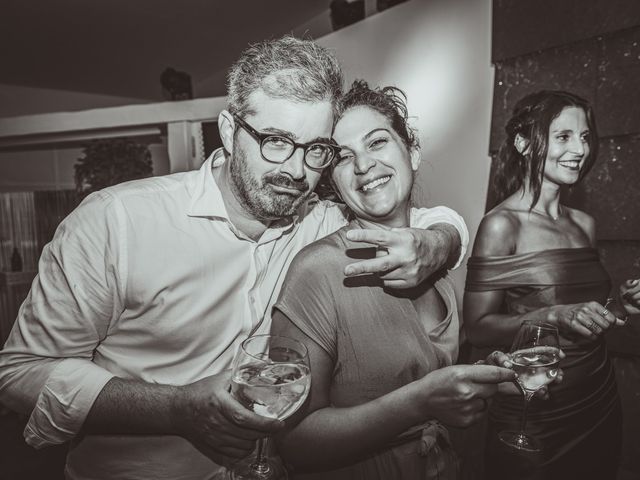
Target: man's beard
257,197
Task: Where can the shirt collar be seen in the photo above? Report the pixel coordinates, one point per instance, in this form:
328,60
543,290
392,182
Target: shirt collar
206,198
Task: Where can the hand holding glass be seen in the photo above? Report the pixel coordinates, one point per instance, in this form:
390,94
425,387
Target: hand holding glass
535,354
271,378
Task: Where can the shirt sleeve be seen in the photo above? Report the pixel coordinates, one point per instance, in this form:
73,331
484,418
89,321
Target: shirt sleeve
306,297
426,217
46,367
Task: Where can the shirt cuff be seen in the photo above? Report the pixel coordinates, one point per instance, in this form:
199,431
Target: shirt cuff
64,402
426,217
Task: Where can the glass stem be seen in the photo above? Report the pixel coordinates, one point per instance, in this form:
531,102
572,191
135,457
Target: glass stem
261,466
523,423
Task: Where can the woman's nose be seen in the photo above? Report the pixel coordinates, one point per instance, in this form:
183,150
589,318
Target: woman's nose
363,163
577,146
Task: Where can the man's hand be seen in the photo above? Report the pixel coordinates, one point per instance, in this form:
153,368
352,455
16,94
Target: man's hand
406,257
458,395
208,416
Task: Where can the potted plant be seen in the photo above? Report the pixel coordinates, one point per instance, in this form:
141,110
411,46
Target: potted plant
110,161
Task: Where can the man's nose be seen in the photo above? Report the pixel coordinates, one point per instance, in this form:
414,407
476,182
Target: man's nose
294,165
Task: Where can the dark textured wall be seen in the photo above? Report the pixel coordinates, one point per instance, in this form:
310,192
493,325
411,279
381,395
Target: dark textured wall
592,48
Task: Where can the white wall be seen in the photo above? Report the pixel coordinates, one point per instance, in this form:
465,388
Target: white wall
439,53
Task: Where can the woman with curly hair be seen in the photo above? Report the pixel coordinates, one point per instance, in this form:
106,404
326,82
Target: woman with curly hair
383,384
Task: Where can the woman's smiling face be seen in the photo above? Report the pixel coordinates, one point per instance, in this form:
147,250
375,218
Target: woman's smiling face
374,170
568,147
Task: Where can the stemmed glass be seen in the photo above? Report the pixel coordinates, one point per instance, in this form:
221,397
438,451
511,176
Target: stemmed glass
271,377
535,356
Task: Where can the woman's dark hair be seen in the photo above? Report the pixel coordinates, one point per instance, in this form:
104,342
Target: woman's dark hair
388,101
531,119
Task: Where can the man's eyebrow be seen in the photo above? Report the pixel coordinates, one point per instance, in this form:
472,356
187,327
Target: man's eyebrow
293,136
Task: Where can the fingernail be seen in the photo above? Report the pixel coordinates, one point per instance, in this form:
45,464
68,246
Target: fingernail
348,271
634,282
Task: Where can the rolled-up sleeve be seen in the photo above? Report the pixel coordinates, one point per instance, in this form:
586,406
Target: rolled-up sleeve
426,217
46,366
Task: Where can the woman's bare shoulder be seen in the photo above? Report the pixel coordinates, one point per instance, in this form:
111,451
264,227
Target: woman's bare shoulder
498,232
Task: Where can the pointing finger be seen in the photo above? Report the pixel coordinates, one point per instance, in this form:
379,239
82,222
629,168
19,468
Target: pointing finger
490,374
381,238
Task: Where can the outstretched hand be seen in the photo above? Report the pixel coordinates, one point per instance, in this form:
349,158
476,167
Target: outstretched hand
458,395
207,415
405,256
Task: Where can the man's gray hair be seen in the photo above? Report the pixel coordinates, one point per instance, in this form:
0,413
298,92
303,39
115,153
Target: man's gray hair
288,67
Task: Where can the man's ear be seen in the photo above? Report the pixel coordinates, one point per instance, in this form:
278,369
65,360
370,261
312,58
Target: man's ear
521,144
416,158
226,127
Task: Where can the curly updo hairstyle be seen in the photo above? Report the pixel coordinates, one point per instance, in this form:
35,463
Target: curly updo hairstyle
388,101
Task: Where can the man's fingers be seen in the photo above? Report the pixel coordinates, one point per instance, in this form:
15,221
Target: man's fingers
380,238
237,414
374,265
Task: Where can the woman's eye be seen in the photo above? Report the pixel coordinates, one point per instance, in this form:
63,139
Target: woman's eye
585,137
378,142
563,138
343,159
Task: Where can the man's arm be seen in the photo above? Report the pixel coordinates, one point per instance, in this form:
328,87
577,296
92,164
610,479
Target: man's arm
203,412
46,367
408,256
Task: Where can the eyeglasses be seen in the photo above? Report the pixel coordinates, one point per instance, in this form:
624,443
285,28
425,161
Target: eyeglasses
279,148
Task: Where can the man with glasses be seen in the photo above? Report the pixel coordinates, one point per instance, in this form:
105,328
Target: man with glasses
124,343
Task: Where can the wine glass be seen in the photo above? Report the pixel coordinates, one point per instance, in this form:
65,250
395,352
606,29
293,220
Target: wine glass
271,377
535,356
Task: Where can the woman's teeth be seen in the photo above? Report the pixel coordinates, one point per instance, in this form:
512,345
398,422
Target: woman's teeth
571,164
375,183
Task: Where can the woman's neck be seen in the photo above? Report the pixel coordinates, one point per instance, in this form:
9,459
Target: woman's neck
548,202
399,221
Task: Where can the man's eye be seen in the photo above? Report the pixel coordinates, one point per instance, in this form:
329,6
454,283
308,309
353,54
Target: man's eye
317,149
278,142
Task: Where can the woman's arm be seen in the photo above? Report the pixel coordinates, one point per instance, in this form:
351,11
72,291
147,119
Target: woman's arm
321,436
486,326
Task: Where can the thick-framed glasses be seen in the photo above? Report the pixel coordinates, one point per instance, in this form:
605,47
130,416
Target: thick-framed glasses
279,148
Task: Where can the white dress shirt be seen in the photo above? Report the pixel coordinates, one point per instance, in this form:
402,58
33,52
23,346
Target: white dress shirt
148,280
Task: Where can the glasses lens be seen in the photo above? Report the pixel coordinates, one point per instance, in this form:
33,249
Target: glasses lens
318,155
276,149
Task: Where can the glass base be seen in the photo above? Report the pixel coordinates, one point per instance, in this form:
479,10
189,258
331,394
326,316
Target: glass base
270,469
520,441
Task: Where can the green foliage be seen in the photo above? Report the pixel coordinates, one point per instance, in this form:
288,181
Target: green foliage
111,161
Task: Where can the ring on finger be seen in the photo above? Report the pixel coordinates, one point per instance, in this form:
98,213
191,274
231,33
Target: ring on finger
604,312
593,326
